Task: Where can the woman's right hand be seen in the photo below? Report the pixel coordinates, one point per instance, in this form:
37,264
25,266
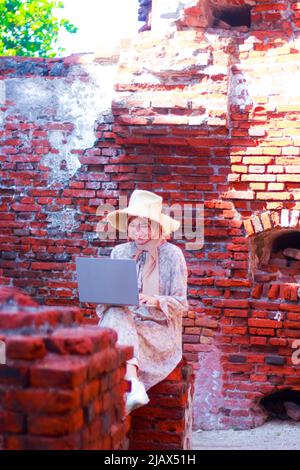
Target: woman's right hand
148,300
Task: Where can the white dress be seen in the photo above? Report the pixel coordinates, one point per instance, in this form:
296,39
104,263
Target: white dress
154,333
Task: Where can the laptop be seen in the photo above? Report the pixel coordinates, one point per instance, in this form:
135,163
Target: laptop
107,281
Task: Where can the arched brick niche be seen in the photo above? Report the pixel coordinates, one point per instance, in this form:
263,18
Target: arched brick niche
239,15
223,14
231,15
283,404
274,247
276,256
258,339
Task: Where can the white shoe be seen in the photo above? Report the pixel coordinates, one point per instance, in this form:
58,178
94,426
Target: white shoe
137,396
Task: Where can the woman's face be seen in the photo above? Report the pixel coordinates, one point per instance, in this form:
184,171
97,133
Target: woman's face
139,229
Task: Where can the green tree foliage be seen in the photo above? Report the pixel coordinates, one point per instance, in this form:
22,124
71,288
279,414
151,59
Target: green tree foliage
29,28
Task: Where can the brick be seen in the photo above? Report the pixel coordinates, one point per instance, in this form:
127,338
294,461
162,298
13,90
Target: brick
262,323
11,422
81,340
237,358
41,401
55,425
90,391
25,348
25,207
275,359
262,331
22,442
12,375
57,372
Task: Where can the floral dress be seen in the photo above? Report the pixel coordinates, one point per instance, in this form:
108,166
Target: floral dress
154,333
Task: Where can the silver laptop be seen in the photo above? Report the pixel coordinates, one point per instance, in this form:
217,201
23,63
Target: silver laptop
107,281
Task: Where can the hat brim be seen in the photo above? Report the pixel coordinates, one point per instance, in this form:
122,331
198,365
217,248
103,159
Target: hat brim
119,219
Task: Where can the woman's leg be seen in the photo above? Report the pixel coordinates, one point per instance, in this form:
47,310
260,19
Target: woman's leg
122,321
137,396
131,370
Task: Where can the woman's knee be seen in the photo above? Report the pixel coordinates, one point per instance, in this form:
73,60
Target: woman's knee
121,314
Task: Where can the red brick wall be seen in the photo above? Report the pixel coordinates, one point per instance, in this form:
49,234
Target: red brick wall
199,115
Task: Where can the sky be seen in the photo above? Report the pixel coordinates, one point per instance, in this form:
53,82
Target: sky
100,22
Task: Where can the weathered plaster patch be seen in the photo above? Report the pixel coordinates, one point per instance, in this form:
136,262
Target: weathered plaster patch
63,221
173,11
183,60
216,70
65,100
2,102
2,118
166,12
2,92
208,398
239,90
198,120
146,77
32,97
63,167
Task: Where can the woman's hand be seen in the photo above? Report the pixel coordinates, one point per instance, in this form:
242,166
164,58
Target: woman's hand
148,300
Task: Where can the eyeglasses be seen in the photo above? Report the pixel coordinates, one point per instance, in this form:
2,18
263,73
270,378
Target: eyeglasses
142,227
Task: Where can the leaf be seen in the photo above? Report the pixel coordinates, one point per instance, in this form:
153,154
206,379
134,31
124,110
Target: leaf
29,28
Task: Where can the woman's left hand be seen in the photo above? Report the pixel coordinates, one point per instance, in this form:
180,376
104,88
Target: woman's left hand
148,300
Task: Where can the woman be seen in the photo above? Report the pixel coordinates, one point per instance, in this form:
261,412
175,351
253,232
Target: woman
154,329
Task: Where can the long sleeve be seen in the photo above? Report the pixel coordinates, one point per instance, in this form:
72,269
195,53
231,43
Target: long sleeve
176,302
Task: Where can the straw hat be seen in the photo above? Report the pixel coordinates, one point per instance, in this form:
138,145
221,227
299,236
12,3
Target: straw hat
143,203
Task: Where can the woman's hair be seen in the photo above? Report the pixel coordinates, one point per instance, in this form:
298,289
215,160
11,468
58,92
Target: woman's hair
131,217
